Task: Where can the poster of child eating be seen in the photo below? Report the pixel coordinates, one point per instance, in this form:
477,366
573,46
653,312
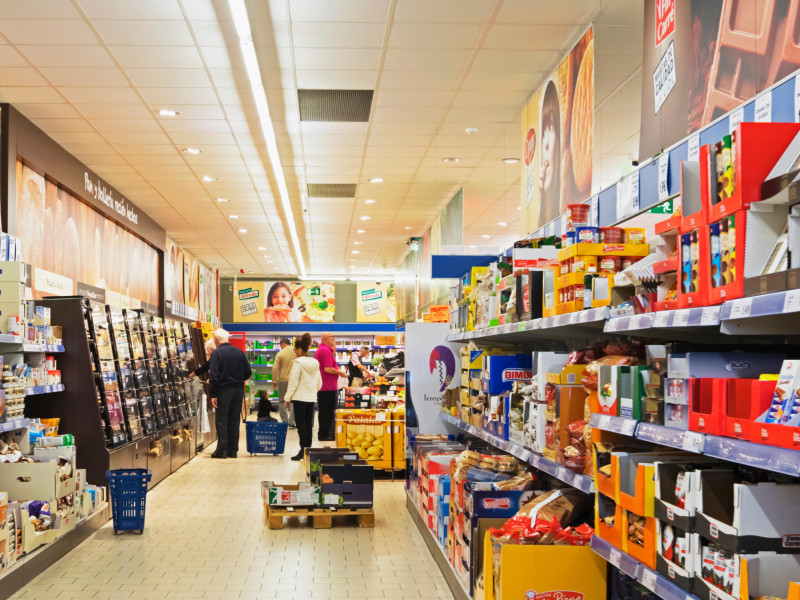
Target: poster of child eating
284,302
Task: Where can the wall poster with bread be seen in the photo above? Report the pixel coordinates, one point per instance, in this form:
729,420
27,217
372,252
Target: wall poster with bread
67,242
283,302
557,139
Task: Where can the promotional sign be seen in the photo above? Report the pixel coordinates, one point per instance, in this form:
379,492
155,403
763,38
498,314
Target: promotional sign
375,302
557,131
283,302
432,364
67,241
703,58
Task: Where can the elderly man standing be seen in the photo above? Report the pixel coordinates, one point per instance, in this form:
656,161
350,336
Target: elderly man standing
280,372
229,369
326,396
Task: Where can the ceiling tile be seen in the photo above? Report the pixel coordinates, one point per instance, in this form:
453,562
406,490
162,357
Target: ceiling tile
30,94
144,33
106,95
157,57
306,34
66,56
169,77
21,76
356,11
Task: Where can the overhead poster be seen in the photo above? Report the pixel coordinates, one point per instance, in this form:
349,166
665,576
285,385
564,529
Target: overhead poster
69,244
375,302
557,133
703,58
283,302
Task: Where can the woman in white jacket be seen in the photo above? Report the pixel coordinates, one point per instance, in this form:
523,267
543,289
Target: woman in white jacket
304,383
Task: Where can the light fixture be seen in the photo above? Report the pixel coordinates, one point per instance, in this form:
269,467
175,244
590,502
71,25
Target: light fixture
471,130
366,218
486,237
262,248
242,24
357,243
222,200
243,231
270,262
511,161
361,231
519,208
192,150
233,216
451,159
165,112
376,180
407,228
472,246
370,201
502,224
266,256
356,252
209,179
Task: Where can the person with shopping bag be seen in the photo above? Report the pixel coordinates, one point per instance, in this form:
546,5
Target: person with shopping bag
304,383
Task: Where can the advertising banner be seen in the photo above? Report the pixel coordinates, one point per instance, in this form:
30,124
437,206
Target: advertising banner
66,241
557,134
283,302
703,58
433,365
375,302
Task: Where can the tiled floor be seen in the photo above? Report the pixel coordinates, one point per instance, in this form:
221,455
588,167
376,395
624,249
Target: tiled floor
206,537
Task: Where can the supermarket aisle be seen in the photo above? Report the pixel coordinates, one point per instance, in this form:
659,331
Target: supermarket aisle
206,538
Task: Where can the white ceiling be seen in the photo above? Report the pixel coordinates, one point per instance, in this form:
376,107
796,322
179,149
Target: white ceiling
94,73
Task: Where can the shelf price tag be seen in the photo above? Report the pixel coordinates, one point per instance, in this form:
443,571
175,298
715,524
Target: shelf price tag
563,474
663,174
694,147
649,579
612,324
764,108
661,318
604,422
615,557
563,223
681,318
740,309
549,229
791,301
596,207
635,192
693,441
736,117
628,427
710,315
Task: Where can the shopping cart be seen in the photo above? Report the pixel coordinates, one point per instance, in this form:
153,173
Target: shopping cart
266,437
128,493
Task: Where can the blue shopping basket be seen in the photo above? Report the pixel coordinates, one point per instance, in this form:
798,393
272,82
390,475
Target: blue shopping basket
128,493
266,437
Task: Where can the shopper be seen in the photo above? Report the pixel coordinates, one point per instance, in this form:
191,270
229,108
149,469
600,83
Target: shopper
280,372
304,384
211,345
327,395
356,370
229,369
264,407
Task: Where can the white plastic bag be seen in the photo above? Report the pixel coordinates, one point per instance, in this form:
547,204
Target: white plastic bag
205,426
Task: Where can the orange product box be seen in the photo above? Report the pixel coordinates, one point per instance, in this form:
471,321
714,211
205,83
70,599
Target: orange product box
640,537
608,521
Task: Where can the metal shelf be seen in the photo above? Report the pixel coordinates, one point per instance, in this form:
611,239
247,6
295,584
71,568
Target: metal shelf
44,389
14,425
577,480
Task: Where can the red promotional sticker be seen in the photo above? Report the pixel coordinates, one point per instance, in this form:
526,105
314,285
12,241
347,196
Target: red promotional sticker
530,146
560,595
665,19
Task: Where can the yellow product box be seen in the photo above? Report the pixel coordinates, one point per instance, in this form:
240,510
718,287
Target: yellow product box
543,572
367,432
569,307
603,250
398,426
569,375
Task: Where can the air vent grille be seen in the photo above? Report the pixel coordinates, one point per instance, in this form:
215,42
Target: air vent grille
335,106
331,190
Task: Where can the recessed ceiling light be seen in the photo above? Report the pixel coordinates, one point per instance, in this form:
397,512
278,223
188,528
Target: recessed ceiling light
165,112
270,262
262,248
376,180
473,246
519,208
233,216
486,237
502,224
361,231
511,161
208,178
451,159
222,200
266,256
407,227
471,130
355,251
192,150
358,243
370,201
243,231
366,218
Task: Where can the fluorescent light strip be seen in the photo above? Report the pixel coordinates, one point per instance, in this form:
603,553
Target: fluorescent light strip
242,23
375,277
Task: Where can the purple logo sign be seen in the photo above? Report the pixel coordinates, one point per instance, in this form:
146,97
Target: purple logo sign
443,364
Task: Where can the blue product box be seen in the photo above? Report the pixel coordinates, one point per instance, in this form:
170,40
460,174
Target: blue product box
501,371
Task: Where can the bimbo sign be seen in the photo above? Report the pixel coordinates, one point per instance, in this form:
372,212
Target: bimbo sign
517,374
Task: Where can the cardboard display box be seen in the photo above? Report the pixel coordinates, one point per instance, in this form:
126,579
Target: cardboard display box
298,494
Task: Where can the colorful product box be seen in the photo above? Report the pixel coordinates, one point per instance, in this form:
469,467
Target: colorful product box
501,371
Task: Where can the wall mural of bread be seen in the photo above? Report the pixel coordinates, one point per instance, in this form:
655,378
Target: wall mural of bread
61,234
557,139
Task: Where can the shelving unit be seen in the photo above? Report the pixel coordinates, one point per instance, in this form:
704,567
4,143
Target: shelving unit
578,480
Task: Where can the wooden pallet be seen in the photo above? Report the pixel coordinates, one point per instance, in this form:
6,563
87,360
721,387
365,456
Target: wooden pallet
321,518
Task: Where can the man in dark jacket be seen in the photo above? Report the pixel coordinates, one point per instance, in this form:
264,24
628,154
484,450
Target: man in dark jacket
229,369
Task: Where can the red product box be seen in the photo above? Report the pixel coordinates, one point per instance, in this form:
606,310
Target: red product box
745,400
726,265
694,274
758,146
774,434
707,405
